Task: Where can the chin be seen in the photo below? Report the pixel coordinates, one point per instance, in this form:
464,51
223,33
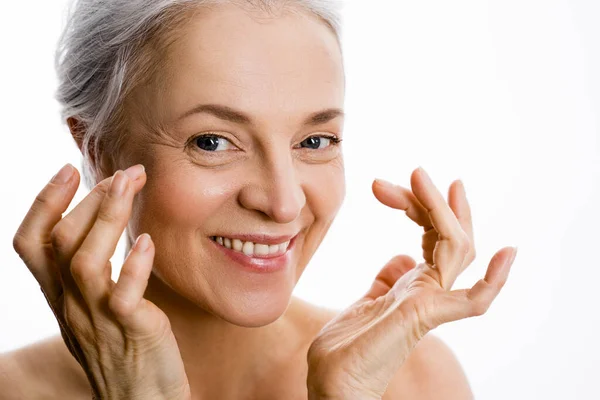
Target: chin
255,311
246,307
253,302
231,291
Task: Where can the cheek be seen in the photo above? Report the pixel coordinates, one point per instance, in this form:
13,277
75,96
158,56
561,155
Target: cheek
181,201
325,189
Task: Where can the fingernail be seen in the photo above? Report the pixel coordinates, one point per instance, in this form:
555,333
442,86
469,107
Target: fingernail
384,183
63,175
142,243
135,171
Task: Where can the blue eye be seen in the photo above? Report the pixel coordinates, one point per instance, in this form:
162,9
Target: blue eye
319,142
213,143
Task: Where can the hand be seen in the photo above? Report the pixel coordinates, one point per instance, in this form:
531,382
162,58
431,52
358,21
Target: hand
123,342
357,353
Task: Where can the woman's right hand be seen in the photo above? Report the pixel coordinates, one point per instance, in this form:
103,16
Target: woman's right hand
123,342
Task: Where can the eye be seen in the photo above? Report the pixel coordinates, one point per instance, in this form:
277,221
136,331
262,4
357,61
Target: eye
319,142
213,143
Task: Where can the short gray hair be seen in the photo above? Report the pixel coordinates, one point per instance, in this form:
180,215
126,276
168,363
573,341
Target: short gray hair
101,58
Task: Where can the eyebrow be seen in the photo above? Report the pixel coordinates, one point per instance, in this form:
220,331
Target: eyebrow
230,114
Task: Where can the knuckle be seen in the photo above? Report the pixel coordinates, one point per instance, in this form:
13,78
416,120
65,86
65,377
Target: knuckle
100,191
120,306
478,308
61,236
43,203
102,187
109,216
463,243
82,266
21,244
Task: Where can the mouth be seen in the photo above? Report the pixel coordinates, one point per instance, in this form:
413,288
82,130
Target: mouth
256,246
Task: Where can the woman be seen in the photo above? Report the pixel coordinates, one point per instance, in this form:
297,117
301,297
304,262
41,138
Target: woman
211,132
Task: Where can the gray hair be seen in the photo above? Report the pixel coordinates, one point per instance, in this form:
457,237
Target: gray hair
101,58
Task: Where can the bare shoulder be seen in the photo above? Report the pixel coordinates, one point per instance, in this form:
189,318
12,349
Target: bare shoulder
9,378
430,372
42,370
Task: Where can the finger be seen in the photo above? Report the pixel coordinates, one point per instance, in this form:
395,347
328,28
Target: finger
89,263
129,291
71,231
400,198
32,240
389,274
430,239
472,302
457,200
441,216
453,244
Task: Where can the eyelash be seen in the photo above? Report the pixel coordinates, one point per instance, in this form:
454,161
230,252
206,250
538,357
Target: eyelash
193,139
335,141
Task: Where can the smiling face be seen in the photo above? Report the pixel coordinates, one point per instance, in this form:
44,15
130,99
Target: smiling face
238,135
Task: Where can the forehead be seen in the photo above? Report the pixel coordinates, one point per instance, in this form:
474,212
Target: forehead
261,64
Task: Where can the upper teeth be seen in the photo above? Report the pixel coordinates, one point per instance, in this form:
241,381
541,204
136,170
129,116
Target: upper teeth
251,248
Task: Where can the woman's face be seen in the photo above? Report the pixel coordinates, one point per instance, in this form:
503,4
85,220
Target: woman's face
243,120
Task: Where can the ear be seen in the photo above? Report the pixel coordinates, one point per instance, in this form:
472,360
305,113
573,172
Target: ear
77,131
106,167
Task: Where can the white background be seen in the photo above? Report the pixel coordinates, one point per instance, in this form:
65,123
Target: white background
502,94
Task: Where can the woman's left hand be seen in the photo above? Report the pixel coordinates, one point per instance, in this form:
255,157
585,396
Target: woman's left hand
358,352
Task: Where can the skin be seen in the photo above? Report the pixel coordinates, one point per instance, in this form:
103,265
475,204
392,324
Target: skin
222,327
263,184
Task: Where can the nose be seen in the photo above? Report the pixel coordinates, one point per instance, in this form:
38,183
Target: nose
275,189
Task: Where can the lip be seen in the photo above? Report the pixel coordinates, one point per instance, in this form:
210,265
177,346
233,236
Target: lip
259,264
